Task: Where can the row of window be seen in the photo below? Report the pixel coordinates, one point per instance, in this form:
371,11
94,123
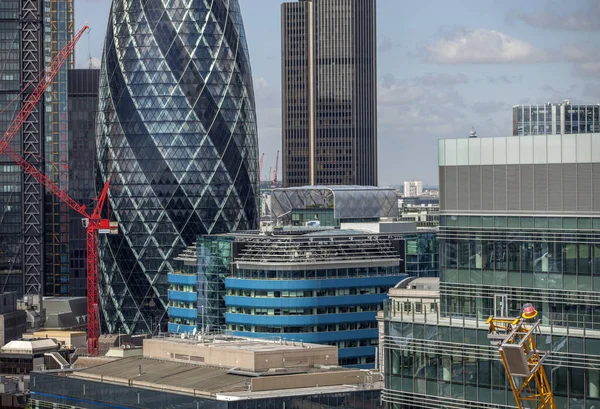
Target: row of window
304,329
304,311
322,273
308,293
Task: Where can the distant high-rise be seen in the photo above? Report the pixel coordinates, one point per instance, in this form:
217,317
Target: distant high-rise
555,119
413,188
329,92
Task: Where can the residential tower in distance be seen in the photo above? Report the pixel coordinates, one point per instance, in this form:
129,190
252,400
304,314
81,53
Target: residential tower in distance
550,118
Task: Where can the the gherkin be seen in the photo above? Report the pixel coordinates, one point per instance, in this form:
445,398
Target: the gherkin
176,133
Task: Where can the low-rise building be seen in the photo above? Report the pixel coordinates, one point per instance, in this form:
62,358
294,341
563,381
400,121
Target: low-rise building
220,372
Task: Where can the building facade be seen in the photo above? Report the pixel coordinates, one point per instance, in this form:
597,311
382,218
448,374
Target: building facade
33,260
83,106
520,222
176,135
324,287
413,188
58,21
329,92
562,118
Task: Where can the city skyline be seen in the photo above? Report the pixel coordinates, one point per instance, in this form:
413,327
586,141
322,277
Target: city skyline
429,86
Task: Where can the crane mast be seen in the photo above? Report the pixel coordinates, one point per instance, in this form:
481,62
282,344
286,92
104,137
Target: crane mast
94,224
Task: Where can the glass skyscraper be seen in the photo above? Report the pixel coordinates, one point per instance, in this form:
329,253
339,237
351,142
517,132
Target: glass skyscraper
33,238
176,135
519,223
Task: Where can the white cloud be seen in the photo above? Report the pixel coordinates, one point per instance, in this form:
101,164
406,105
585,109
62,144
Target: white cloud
482,46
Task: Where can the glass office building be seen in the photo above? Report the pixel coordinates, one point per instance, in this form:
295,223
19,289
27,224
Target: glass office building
320,287
520,222
83,106
58,16
176,135
555,119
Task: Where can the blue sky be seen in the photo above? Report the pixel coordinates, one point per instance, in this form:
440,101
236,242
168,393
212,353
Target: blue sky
443,67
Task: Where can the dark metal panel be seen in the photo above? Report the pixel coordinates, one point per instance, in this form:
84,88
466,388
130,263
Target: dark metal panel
475,187
487,187
526,187
540,180
555,187
513,199
584,187
569,182
499,187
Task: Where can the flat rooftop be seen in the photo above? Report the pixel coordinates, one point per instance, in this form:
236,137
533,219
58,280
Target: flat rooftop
222,383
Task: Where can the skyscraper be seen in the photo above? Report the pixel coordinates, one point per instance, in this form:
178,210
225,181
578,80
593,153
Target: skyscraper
58,17
31,32
562,118
176,135
329,92
83,106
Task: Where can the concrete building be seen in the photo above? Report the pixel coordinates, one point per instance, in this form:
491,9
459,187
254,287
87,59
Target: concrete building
413,188
556,119
519,223
20,357
13,322
329,92
219,373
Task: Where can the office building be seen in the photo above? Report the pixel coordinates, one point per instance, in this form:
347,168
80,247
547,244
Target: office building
329,92
13,322
82,109
21,199
315,285
32,33
562,118
533,240
214,373
58,30
176,135
413,188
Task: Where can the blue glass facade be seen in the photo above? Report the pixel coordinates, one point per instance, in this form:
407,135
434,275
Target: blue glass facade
176,135
322,288
334,311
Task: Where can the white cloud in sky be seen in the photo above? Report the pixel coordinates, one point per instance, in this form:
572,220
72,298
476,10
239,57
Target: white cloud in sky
482,46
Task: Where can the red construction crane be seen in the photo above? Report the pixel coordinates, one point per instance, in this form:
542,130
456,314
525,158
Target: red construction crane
276,168
46,79
94,224
262,157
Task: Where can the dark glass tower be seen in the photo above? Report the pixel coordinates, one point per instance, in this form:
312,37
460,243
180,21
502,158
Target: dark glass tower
176,135
83,106
329,92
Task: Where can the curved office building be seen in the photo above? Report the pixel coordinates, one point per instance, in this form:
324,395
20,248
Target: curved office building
323,288
176,135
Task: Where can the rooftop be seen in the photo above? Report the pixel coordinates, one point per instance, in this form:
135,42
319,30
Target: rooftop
222,383
29,346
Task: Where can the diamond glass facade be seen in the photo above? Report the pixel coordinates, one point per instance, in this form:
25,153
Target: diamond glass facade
177,136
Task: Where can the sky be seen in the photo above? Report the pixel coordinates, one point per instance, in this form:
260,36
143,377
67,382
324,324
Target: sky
443,69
